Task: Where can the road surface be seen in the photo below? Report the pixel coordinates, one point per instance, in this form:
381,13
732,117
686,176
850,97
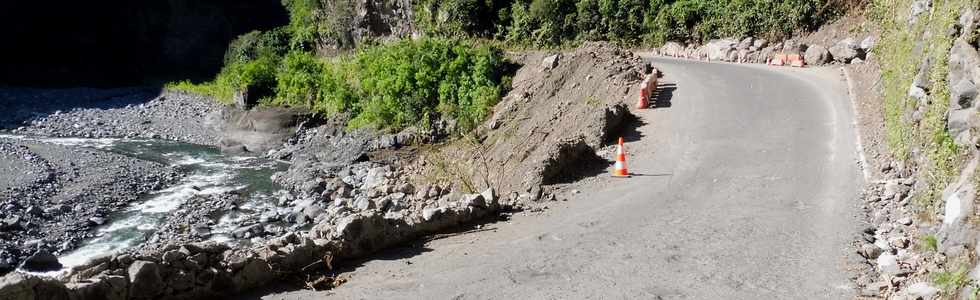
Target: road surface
749,189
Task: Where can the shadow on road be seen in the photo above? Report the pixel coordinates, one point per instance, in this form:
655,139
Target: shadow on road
663,96
627,130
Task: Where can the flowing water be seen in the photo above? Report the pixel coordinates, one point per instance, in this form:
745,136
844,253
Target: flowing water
208,172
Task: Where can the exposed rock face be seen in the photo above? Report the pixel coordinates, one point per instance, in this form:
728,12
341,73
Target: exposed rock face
258,130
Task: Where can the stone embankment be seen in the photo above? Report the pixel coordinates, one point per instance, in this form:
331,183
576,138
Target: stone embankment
754,50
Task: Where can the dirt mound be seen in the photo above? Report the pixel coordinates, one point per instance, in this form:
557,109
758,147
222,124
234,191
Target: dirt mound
546,130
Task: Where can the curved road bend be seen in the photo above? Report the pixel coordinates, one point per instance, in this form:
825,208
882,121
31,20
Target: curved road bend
752,193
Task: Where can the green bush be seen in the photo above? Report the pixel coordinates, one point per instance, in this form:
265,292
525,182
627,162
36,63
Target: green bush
298,79
303,19
255,44
411,82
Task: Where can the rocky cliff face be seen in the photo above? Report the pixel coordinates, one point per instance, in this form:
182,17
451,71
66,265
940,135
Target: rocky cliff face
117,42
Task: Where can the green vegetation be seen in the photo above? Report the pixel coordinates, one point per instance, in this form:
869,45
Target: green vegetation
554,22
929,243
412,82
900,61
450,76
951,281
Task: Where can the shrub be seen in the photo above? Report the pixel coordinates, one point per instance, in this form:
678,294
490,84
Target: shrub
298,79
411,82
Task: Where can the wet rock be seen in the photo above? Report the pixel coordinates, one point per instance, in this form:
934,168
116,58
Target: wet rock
97,220
145,280
41,261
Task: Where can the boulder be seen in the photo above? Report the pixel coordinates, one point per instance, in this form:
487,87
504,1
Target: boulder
18,286
432,213
672,49
888,264
253,273
745,44
41,261
145,281
920,290
918,7
917,93
723,49
870,251
845,51
100,288
550,61
867,44
473,200
11,223
962,94
258,130
490,196
959,123
817,55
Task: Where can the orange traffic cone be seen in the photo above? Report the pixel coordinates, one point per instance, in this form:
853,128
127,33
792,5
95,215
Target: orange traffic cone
620,167
643,103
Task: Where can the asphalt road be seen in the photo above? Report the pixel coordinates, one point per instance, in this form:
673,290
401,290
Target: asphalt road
749,189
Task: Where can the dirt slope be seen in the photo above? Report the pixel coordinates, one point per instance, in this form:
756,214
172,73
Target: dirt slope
546,130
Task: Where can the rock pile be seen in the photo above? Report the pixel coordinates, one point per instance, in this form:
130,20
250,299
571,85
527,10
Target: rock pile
197,270
753,50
